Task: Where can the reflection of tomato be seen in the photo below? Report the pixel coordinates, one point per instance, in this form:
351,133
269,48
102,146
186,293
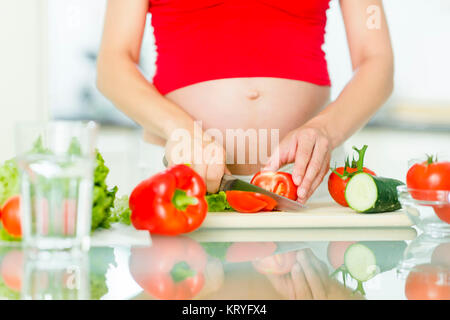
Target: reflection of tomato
249,251
280,183
11,269
278,264
336,251
441,255
11,216
443,212
428,282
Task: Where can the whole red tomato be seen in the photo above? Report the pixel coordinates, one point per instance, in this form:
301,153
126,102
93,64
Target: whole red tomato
280,183
11,216
428,282
429,175
340,176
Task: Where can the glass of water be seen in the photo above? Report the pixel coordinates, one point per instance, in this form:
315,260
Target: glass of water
56,161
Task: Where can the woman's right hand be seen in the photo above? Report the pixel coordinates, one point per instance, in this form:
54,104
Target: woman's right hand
206,156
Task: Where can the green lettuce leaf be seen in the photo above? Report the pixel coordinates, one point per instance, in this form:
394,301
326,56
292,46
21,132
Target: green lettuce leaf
121,212
217,202
9,180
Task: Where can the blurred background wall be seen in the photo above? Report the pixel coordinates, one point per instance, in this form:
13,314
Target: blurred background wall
49,50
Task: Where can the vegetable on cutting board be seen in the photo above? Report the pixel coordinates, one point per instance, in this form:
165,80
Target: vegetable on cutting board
340,176
250,202
280,183
170,202
369,194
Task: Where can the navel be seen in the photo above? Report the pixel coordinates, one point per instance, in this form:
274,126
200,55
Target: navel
253,95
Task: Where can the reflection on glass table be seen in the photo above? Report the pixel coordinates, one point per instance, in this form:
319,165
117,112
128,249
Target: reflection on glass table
240,267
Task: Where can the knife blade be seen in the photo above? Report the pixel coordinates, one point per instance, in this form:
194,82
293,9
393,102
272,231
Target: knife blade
230,182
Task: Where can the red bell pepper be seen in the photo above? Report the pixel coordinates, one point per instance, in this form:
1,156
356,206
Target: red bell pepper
170,202
172,268
280,183
250,202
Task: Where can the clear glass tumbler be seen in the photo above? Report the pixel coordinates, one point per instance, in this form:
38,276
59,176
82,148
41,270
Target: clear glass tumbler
56,161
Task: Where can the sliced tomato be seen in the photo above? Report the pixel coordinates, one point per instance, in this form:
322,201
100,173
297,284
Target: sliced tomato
250,202
11,216
280,183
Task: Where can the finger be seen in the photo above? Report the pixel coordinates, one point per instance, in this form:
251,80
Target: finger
322,174
226,170
311,275
303,154
314,166
302,290
284,153
214,174
201,170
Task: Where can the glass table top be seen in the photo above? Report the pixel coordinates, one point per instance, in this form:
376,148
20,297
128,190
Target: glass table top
226,264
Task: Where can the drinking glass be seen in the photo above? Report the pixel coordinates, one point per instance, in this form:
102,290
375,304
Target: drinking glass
56,162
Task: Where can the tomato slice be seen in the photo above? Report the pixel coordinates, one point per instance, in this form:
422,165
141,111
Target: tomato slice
250,202
280,183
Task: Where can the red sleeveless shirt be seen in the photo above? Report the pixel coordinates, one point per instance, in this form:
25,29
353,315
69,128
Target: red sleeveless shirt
201,40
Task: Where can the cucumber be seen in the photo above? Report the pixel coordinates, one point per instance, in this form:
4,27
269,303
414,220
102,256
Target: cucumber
363,260
368,194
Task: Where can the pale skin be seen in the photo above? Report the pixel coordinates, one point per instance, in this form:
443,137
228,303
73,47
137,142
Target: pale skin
310,126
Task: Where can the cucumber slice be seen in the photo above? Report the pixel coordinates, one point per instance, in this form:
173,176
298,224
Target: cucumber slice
360,262
368,194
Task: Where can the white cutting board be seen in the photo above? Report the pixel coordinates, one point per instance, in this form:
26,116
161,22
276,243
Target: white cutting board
316,215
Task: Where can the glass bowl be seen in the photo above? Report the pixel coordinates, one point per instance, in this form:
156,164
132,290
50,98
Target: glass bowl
428,209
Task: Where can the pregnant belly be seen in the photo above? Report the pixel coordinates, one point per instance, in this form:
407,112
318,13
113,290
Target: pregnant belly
240,107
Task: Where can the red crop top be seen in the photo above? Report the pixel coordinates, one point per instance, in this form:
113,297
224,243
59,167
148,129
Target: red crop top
201,40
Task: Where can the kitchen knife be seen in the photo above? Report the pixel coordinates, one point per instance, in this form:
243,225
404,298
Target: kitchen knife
230,183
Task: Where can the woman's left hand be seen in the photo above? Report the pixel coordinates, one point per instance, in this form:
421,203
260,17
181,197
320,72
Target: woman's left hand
309,147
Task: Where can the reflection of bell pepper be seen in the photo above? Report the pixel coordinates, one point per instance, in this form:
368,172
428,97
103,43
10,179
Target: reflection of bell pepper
172,268
170,202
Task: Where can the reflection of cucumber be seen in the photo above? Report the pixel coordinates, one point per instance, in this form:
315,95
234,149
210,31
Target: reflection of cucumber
369,194
363,260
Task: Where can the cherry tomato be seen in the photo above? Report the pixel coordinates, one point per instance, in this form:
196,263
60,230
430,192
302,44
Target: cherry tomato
428,282
280,183
11,216
250,202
